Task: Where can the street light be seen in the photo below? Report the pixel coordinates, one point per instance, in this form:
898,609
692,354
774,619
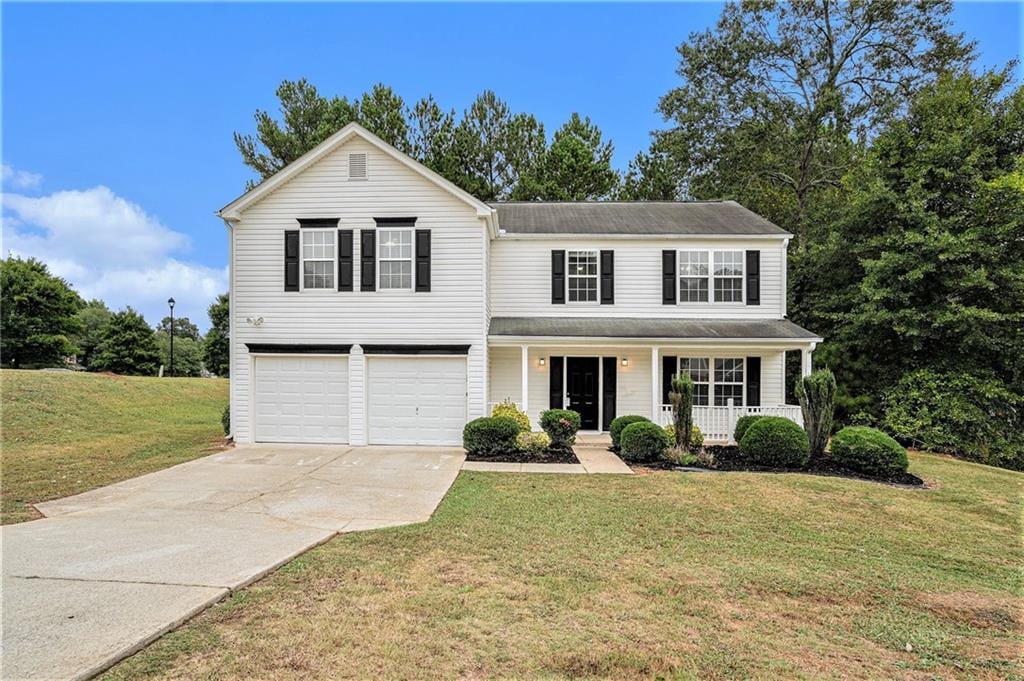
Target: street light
170,303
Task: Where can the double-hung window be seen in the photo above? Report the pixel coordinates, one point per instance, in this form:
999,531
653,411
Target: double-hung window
394,256
318,258
728,381
728,276
693,276
697,369
581,269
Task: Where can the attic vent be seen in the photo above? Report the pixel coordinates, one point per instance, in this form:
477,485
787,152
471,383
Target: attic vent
357,166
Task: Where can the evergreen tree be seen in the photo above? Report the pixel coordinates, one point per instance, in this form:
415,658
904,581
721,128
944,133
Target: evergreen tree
38,315
188,354
128,346
382,112
578,165
93,317
652,176
216,348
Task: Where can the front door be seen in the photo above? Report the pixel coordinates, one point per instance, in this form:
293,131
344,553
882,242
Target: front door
582,390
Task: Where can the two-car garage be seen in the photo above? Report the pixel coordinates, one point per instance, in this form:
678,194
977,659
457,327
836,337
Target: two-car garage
408,399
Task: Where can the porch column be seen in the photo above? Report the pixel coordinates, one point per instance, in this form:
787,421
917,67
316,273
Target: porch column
655,388
805,360
524,400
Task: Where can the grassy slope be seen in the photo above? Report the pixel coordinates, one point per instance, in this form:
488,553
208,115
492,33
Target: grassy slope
669,575
65,433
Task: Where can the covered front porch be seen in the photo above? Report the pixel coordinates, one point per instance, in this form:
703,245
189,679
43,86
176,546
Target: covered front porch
606,378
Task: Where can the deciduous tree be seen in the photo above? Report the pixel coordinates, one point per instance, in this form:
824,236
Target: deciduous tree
128,346
38,315
216,348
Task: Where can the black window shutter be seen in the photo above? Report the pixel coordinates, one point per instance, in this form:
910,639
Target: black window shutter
753,381
367,260
668,278
607,277
753,277
345,263
555,382
669,368
558,277
291,260
423,260
609,369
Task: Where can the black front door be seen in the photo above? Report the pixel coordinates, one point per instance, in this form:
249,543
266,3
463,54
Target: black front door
581,389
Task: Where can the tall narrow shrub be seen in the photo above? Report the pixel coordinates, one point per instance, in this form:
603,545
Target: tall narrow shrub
817,395
681,399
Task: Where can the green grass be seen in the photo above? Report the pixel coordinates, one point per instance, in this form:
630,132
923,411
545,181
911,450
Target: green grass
65,433
661,575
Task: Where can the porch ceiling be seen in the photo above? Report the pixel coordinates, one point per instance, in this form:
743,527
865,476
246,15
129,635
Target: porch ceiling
632,328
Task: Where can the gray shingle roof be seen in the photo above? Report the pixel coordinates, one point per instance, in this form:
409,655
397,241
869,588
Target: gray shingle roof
636,217
617,327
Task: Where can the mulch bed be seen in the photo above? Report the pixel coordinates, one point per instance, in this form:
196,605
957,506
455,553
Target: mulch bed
550,456
730,458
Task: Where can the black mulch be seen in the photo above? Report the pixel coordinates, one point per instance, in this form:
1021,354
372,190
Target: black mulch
730,458
550,456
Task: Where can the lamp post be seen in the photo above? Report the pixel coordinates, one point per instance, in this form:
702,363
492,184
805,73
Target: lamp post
170,303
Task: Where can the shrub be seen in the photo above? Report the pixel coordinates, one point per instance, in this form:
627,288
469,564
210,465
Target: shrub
817,395
533,443
742,423
490,436
508,409
868,451
681,398
696,437
975,418
561,426
615,430
643,441
225,420
681,457
776,442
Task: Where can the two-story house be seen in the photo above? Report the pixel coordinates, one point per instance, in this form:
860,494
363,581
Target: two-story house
374,302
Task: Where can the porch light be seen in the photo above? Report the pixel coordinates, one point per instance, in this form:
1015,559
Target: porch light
625,361
542,361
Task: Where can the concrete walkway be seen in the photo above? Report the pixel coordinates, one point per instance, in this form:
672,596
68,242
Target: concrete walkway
592,452
108,571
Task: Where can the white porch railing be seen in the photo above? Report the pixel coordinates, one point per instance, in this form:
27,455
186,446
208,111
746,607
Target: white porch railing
718,423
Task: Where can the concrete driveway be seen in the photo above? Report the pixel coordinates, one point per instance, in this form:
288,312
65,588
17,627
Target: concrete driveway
108,571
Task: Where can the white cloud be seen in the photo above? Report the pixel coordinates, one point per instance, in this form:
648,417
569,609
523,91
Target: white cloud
20,179
110,248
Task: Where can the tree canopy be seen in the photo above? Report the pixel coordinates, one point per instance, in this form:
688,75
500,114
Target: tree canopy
128,346
38,315
216,348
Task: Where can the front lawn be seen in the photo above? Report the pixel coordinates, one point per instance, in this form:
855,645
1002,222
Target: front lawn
65,433
663,574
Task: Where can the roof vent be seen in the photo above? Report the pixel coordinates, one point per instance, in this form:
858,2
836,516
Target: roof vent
357,166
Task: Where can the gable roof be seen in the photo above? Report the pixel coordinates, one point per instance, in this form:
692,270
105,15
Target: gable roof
710,218
233,210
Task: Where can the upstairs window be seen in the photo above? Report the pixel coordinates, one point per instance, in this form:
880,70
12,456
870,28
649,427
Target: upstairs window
394,256
318,258
581,269
693,276
728,276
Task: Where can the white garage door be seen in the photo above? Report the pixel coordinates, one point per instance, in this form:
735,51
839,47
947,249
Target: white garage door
416,400
301,399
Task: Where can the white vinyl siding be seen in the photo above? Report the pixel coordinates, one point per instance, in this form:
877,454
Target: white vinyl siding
452,313
520,278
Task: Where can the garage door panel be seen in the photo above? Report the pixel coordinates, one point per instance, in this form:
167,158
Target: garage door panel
301,399
416,400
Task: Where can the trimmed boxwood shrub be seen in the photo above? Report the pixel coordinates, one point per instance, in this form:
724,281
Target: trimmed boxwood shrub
868,451
643,441
615,430
561,426
776,442
490,436
742,423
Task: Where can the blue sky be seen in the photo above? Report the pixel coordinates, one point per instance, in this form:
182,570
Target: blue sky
117,118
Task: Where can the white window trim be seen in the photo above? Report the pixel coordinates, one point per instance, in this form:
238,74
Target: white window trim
711,376
412,260
302,261
597,277
711,277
